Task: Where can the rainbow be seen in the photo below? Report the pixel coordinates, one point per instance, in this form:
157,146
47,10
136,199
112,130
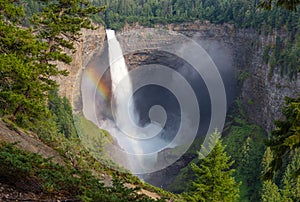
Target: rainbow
103,88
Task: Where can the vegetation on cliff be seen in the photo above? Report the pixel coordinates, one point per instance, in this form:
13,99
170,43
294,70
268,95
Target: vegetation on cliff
245,145
29,55
214,176
285,139
266,172
281,162
30,48
33,173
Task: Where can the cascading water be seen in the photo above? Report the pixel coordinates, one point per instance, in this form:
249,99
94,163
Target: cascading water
140,143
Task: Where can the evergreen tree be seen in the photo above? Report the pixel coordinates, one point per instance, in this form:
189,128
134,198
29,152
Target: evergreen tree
59,24
29,55
63,115
289,189
214,181
291,184
286,137
267,159
288,4
22,85
270,192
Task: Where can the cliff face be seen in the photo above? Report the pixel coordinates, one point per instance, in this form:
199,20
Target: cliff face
90,42
261,93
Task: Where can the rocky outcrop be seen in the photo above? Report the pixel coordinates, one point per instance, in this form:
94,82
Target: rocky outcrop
263,92
28,142
90,42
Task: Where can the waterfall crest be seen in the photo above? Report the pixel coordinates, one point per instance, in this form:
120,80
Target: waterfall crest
118,69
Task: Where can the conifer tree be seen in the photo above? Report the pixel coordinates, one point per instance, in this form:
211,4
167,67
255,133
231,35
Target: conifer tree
270,192
287,4
289,190
286,137
214,181
28,56
291,183
22,87
59,25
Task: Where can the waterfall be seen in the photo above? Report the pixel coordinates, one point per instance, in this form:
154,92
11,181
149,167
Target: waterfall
119,73
117,63
138,143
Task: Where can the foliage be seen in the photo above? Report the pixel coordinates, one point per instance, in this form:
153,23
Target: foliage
63,115
29,55
23,84
59,24
95,140
282,157
245,146
241,13
244,143
186,174
284,56
291,182
288,187
17,165
214,181
286,137
270,192
288,4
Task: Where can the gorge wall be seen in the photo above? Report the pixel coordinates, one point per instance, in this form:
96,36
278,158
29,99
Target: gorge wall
261,93
90,43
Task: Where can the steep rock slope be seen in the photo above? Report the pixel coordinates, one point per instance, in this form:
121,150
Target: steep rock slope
90,42
262,93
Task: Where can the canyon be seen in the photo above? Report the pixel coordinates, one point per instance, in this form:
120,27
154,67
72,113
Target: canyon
260,92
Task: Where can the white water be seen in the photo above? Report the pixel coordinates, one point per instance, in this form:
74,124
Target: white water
140,144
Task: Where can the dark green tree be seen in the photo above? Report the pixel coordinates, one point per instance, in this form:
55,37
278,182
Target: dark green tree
286,137
63,115
214,181
23,87
291,183
29,55
270,192
59,25
288,187
288,4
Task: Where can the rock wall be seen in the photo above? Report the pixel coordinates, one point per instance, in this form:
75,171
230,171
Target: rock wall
90,42
261,94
